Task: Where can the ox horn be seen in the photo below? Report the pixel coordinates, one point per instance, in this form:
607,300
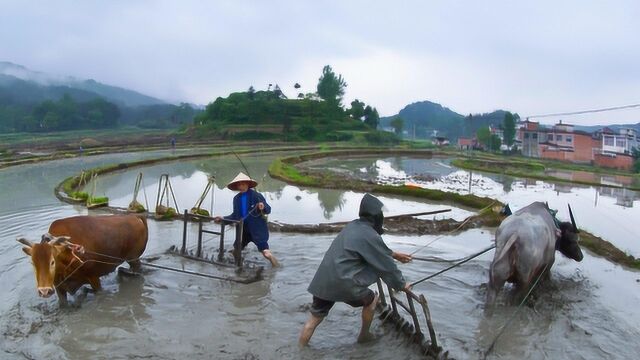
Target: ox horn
573,221
46,238
60,240
25,242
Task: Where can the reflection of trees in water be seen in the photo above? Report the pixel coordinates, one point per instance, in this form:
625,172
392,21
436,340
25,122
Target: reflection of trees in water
398,163
507,183
226,170
330,200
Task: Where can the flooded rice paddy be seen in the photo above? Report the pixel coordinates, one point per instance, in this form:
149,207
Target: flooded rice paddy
587,311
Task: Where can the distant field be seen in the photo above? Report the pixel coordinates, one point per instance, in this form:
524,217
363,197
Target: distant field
74,137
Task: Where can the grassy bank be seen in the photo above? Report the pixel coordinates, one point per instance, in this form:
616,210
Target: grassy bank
607,250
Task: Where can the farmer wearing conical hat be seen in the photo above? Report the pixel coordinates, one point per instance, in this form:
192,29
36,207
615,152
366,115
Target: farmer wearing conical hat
251,207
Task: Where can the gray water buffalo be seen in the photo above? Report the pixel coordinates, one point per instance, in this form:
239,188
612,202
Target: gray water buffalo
525,248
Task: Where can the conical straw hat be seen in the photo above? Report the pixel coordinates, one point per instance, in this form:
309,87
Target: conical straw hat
241,177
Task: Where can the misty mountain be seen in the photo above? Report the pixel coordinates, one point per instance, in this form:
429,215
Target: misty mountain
23,86
425,117
33,101
15,91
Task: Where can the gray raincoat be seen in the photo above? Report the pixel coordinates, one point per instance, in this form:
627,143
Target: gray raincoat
357,258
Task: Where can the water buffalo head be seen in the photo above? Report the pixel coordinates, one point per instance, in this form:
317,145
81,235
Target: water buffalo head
567,243
44,257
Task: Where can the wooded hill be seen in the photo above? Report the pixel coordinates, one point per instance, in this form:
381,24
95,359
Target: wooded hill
28,97
269,115
422,118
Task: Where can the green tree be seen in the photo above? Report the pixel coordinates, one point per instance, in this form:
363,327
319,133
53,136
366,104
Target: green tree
494,142
331,87
509,128
357,109
251,93
51,121
484,136
635,151
371,117
397,123
467,126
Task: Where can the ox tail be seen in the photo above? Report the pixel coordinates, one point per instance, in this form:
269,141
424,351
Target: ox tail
143,218
507,246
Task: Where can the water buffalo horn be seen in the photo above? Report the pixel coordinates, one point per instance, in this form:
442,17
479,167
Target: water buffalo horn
25,242
573,221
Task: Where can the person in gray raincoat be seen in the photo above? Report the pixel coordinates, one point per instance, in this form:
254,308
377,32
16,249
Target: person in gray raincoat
356,259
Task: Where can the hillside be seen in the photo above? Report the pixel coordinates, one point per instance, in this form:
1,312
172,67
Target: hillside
267,115
37,102
26,86
422,118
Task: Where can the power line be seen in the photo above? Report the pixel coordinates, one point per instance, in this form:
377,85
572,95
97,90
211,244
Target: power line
585,111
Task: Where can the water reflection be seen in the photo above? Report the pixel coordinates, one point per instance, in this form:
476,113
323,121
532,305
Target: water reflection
602,216
290,204
624,197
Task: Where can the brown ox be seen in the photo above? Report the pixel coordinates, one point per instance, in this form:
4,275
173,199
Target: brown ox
81,249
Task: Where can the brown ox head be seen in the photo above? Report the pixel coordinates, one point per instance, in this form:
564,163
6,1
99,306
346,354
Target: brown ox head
44,257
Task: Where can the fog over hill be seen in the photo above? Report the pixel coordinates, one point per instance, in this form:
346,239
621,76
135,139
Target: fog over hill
27,86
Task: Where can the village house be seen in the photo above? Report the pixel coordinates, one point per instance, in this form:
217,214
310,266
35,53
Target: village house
604,148
467,143
616,148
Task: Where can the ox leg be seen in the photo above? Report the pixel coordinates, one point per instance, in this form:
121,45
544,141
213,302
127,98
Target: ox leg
521,291
62,298
498,274
135,266
95,283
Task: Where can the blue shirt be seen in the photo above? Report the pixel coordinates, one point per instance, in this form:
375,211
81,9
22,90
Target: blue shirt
244,204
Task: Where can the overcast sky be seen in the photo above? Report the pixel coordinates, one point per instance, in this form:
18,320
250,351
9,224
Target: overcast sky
532,57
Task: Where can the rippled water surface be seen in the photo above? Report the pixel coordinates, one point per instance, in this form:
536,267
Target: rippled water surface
587,311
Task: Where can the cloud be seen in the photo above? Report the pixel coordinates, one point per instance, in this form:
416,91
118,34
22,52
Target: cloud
470,56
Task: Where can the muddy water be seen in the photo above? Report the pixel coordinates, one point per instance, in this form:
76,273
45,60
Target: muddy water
588,310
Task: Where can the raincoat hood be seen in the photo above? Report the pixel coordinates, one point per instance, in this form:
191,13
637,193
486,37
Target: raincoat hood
371,211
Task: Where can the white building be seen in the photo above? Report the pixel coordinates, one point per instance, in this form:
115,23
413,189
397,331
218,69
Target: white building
618,143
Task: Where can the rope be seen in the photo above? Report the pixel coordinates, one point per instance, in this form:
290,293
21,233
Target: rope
454,265
493,343
451,231
121,260
242,163
436,259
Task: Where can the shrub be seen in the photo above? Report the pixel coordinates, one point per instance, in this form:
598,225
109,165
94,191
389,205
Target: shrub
253,135
338,136
381,138
306,131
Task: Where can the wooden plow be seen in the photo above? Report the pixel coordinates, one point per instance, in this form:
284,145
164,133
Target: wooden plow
416,307
164,211
245,271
